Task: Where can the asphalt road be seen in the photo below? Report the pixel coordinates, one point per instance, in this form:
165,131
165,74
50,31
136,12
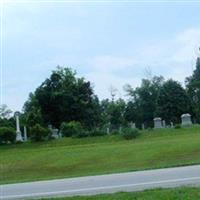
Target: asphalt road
133,181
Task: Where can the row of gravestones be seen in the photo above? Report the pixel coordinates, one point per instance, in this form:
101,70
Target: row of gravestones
158,123
185,121
19,138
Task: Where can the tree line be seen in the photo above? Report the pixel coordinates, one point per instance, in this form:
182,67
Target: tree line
63,97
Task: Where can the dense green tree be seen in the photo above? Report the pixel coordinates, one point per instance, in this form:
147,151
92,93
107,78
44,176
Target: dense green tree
142,106
172,102
133,113
32,112
62,98
112,112
193,89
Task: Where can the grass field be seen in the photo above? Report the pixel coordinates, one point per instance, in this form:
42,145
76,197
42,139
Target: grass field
69,157
157,194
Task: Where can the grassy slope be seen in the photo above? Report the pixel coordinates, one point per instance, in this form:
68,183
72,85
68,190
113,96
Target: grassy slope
157,194
79,157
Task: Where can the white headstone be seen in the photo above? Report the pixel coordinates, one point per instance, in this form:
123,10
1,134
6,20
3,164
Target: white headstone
132,125
108,130
163,123
186,119
171,124
18,132
120,129
25,134
157,122
60,134
55,133
143,127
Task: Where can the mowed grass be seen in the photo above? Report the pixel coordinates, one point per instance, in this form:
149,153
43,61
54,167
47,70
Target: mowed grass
69,157
157,194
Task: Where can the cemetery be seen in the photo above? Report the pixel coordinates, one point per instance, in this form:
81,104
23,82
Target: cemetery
56,133
51,139
99,97
69,132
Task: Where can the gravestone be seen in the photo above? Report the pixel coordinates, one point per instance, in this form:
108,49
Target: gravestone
157,122
60,134
143,127
186,119
163,123
25,134
54,133
171,124
132,125
108,130
18,132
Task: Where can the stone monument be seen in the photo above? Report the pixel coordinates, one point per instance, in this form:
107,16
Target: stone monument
143,127
132,125
163,123
54,133
186,119
25,134
157,122
108,130
18,132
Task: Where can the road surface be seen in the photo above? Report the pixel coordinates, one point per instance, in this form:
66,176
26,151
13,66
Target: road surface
132,181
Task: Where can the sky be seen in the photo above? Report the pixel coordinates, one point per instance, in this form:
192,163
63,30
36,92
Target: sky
108,43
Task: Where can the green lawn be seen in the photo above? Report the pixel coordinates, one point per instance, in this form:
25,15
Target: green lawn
157,194
99,155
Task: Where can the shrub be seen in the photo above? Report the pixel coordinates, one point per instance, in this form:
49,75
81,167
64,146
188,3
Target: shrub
115,132
38,133
7,135
150,129
72,128
94,133
130,133
177,126
81,134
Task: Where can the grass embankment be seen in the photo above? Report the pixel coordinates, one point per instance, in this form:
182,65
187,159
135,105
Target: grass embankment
157,194
69,157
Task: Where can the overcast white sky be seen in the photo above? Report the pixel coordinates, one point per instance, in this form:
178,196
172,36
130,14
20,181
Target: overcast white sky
107,43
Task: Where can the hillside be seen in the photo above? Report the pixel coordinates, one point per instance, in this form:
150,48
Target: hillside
70,157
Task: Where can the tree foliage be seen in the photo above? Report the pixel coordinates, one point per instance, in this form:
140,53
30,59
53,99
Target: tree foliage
63,97
112,113
193,89
7,135
5,112
142,106
172,102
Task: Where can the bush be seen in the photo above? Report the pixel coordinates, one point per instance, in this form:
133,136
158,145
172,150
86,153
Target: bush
130,133
177,126
115,132
7,135
38,133
81,134
94,133
150,129
72,128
